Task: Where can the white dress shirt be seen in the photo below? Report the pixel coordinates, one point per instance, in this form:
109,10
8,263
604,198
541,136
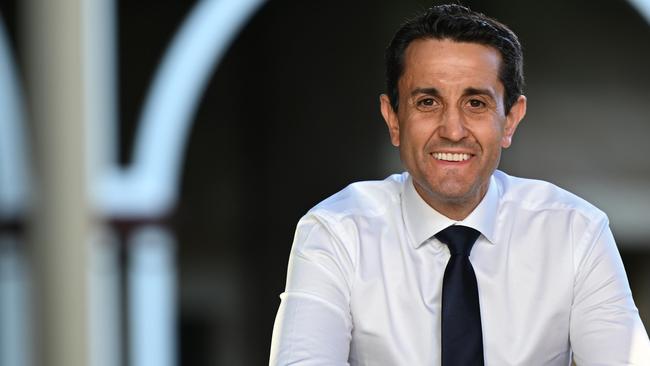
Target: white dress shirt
365,280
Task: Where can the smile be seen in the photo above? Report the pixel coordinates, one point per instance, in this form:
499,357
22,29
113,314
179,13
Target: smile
451,156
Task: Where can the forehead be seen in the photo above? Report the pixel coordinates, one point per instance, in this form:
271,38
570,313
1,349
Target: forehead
449,63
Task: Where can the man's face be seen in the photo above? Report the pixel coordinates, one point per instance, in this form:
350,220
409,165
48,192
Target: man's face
451,124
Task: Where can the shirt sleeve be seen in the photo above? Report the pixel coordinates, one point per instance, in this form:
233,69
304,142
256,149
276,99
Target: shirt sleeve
313,325
605,325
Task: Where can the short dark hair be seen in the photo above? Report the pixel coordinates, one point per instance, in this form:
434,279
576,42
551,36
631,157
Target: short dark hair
460,24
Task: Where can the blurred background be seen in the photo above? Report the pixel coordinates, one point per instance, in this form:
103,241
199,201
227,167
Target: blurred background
155,156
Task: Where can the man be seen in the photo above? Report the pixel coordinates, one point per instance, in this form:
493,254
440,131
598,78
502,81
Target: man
455,262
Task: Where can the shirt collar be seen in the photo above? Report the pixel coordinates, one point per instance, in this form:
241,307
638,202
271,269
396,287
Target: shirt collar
423,222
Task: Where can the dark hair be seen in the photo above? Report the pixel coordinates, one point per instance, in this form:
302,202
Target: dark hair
460,24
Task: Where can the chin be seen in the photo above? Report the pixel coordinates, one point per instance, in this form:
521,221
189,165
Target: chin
454,198
457,195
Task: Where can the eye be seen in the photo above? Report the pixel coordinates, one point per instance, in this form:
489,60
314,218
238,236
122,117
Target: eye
426,104
475,103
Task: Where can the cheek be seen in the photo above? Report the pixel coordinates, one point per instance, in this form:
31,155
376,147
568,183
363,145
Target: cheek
416,135
419,124
490,139
490,132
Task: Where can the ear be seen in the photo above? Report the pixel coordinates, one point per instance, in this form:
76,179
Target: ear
516,114
391,119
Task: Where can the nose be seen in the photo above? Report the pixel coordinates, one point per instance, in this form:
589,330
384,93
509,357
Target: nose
452,126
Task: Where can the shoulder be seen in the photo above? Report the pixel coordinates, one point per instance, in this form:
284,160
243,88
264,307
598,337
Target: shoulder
336,225
366,203
539,195
364,199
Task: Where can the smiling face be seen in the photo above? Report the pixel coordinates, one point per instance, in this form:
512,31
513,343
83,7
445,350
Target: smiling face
451,124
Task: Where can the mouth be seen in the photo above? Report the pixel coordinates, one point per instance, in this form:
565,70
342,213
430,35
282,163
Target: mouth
453,157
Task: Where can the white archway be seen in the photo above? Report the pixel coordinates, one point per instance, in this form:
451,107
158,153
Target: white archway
643,7
14,157
149,186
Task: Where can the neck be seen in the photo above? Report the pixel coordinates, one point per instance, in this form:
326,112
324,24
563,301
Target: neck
454,208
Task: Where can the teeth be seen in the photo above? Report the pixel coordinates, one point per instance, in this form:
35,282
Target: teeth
451,156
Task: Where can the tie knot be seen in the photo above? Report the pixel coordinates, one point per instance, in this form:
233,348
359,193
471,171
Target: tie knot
459,239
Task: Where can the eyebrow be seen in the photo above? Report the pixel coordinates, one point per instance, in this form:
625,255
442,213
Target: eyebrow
468,91
428,91
479,91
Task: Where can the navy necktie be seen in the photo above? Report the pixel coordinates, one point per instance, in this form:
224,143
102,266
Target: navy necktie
462,339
